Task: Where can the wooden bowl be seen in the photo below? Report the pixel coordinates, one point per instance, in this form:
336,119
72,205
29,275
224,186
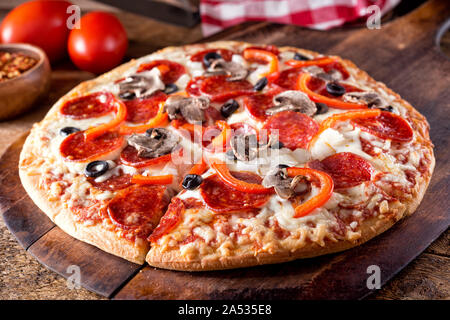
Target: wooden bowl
18,95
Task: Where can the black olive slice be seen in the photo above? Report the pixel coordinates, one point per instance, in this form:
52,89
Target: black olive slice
96,168
192,181
170,88
321,108
335,89
66,131
127,95
229,107
260,84
282,166
300,57
209,57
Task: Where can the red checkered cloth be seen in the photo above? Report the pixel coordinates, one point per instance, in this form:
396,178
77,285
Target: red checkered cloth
316,14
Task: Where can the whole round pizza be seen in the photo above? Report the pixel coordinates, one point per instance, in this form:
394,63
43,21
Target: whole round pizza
227,154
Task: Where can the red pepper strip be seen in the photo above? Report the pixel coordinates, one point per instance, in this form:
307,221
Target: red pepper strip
273,77
220,142
262,55
314,62
331,120
121,115
302,85
160,120
140,179
325,191
224,174
199,168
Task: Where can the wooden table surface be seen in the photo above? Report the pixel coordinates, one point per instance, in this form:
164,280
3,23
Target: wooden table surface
22,277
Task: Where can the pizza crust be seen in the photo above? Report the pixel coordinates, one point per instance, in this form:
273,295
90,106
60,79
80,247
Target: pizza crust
110,242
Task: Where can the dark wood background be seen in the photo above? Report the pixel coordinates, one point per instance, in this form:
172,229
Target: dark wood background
406,46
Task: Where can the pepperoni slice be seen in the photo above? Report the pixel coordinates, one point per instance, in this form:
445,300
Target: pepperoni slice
319,86
221,198
193,86
170,71
294,129
139,206
91,106
114,183
129,157
387,126
143,109
257,105
225,53
345,168
76,148
288,78
170,220
219,89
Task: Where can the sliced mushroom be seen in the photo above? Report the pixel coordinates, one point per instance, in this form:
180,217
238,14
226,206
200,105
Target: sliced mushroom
317,72
244,146
294,101
154,143
284,186
142,84
191,108
372,99
234,70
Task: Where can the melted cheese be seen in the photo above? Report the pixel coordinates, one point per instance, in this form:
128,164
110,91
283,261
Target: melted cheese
332,141
242,116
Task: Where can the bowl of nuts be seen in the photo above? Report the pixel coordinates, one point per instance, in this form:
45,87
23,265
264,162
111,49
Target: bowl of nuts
24,78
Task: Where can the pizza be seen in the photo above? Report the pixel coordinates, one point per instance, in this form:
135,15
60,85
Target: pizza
228,154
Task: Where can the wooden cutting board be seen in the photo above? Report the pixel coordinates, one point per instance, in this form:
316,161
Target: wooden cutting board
404,55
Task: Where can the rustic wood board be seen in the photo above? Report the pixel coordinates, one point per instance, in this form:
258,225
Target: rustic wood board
404,56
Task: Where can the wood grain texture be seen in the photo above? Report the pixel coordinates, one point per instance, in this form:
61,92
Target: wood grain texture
427,277
101,272
441,246
334,275
19,214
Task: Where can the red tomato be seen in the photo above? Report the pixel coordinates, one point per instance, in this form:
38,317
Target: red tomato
100,44
42,23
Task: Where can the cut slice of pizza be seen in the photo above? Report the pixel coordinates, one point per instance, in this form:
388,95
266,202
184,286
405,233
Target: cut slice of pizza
278,208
